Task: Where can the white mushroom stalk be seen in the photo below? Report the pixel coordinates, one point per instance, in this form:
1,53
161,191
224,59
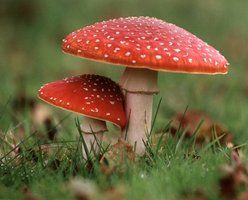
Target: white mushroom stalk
140,85
93,130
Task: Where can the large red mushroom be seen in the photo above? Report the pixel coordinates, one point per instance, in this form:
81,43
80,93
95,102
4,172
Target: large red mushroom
145,46
98,98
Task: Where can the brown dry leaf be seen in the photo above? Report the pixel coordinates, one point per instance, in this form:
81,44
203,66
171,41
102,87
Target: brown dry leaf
40,114
235,179
28,195
118,158
116,192
190,121
243,195
198,194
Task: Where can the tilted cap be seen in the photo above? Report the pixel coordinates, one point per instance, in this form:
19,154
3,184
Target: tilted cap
91,95
144,42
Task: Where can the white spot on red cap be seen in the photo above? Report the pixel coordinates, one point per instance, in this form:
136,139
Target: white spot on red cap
158,57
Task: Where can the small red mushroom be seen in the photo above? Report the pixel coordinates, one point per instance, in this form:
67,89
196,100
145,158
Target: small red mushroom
145,46
98,98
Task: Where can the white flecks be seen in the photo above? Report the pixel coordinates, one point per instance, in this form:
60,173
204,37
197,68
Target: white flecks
97,40
68,46
86,97
87,42
142,56
96,48
106,56
158,57
117,32
98,96
128,53
41,93
94,89
109,45
161,43
168,53
112,102
94,110
177,50
107,114
170,43
88,103
175,59
60,101
122,42
79,51
116,50
165,49
133,61
68,103
156,49
86,89
205,60
190,60
118,119
148,47
79,40
82,108
216,63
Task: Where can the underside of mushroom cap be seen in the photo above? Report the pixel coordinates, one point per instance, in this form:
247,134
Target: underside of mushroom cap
145,42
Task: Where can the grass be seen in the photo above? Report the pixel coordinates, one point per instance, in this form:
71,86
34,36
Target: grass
31,55
164,174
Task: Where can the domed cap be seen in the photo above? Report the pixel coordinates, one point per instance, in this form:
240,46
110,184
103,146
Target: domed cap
144,42
91,95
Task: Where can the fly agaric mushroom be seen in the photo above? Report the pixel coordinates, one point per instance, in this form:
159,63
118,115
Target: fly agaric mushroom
98,98
145,46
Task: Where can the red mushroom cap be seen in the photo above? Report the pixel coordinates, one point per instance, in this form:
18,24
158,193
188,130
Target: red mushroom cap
144,42
91,95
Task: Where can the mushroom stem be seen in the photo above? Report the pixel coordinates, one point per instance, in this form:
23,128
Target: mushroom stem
139,109
93,130
139,86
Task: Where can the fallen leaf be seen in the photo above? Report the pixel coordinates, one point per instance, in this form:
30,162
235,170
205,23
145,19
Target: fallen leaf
116,192
243,195
198,194
208,129
236,177
28,195
117,158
